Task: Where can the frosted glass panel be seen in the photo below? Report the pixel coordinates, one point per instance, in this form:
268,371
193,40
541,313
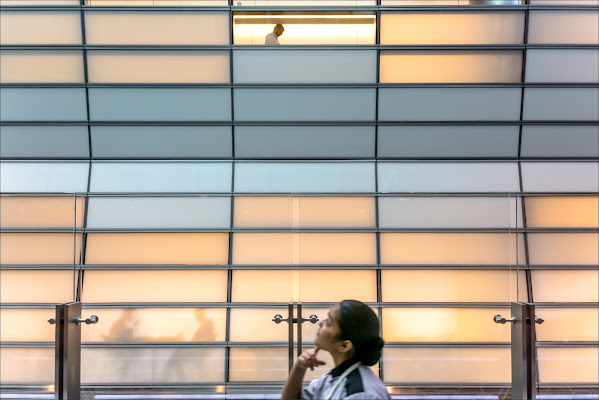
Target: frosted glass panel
43,177
176,286
304,248
492,286
40,212
568,324
463,27
451,66
406,141
562,65
43,286
152,365
43,104
560,177
562,212
443,325
258,364
304,177
565,286
449,104
26,325
156,325
40,27
139,27
44,141
450,248
563,27
158,66
304,104
447,365
157,248
20,365
563,248
555,104
161,141
304,66
41,66
159,212
568,365
40,248
160,104
560,141
449,212
161,177
448,177
255,325
304,141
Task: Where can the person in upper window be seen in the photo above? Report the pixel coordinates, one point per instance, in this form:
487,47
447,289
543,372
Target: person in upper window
351,335
273,37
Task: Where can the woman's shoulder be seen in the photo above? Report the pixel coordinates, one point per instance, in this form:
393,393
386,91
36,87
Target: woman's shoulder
363,383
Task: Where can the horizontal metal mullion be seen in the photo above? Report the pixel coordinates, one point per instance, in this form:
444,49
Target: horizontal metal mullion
223,8
28,305
558,85
41,8
454,8
153,267
567,344
297,9
448,344
453,267
26,344
58,267
193,345
390,305
543,305
563,266
563,7
304,267
452,46
562,46
87,305
158,230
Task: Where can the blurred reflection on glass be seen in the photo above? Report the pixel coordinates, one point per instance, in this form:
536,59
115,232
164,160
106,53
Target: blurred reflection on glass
122,330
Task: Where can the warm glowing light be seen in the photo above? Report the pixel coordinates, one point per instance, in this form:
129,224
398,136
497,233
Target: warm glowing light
220,389
50,388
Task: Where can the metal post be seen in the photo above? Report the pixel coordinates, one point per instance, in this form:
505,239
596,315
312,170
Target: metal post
290,325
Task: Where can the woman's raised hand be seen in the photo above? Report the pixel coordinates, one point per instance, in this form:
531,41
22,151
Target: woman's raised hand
308,359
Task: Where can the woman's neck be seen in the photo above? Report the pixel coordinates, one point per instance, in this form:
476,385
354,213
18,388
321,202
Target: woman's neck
338,358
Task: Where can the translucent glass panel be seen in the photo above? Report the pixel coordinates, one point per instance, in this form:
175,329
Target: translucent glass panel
43,177
187,142
304,248
341,27
304,66
41,212
44,141
156,325
43,286
449,104
40,27
160,104
450,249
304,177
557,65
27,365
558,104
304,212
425,365
26,324
560,177
41,66
306,3
175,3
279,286
161,177
563,27
492,286
407,141
255,325
568,364
139,27
152,365
40,2
304,104
565,286
443,325
568,324
258,364
448,177
449,212
452,27
158,66
451,66
43,104
304,141
40,248
159,212
157,248
174,286
563,248
560,141
562,212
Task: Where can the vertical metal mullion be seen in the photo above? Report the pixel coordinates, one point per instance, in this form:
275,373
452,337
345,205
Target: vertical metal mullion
523,79
75,275
290,327
300,322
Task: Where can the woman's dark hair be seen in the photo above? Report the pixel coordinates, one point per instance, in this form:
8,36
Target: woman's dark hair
360,325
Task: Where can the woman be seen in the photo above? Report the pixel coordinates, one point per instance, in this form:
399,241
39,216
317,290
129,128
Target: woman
351,335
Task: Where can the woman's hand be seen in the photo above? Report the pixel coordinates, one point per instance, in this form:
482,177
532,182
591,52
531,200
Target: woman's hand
308,359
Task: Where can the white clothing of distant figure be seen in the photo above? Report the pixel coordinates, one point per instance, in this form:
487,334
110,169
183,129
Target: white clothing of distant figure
273,37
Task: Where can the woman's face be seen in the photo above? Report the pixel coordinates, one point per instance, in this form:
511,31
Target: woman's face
328,331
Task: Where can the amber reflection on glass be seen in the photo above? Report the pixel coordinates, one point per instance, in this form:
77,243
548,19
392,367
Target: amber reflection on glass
568,324
40,27
19,365
157,248
154,286
42,286
258,364
562,212
256,325
443,325
26,325
565,286
39,248
568,364
563,248
40,212
20,66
